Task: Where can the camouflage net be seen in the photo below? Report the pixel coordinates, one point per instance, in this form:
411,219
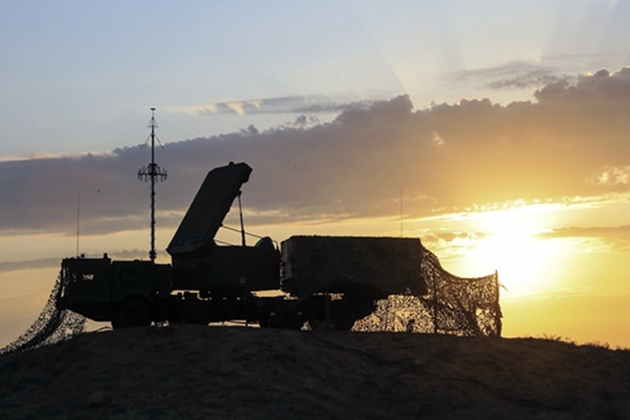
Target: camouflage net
52,325
453,305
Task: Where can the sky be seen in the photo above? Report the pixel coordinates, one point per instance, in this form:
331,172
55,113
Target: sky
496,132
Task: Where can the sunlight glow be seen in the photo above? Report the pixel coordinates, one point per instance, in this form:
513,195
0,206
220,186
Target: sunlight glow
524,263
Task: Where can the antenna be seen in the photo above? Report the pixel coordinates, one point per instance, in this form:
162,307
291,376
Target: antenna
78,215
240,212
153,173
401,212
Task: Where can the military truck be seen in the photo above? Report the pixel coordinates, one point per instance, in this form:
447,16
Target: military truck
319,280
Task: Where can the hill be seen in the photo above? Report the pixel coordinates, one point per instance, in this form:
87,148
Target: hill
195,372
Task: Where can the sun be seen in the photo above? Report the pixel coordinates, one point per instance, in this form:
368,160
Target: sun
510,246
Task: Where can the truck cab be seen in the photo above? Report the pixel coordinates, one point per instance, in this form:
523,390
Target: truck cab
96,287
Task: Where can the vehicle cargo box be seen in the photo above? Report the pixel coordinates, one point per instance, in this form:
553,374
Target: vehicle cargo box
338,264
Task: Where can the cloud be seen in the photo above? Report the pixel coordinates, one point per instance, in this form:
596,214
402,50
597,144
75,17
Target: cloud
451,244
447,237
447,158
510,76
311,104
613,238
526,80
614,175
618,232
10,266
601,89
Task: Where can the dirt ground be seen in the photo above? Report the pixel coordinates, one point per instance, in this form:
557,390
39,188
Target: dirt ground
195,372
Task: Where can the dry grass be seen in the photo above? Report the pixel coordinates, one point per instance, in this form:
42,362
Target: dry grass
239,373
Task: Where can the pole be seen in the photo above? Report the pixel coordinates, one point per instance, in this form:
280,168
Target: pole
152,253
152,173
78,216
498,315
435,308
240,212
401,212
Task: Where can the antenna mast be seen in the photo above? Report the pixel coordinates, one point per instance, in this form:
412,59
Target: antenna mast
78,215
153,173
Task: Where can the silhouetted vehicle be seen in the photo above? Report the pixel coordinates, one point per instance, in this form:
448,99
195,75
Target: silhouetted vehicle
319,279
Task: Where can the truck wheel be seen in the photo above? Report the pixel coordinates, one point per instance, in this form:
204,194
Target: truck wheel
343,317
320,324
294,321
194,312
344,324
132,313
264,321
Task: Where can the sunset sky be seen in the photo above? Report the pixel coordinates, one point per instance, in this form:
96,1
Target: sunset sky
497,132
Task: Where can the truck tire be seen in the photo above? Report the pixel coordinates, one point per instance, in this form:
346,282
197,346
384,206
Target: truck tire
264,320
344,324
194,312
286,320
294,321
343,317
132,313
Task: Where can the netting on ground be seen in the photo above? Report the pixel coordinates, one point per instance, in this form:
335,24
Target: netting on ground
52,325
453,305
